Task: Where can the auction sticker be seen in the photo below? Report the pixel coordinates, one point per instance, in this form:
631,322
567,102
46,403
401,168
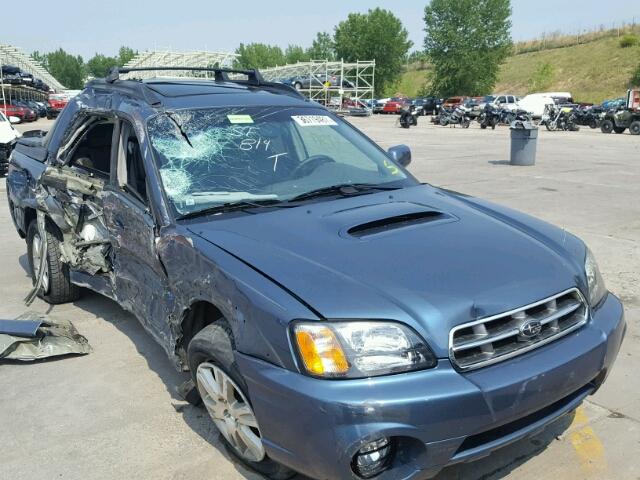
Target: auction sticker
240,118
314,120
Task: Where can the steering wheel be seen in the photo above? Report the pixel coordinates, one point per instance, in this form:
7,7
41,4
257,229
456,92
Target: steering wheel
310,164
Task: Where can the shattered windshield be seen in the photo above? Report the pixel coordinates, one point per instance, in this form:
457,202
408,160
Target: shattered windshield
217,156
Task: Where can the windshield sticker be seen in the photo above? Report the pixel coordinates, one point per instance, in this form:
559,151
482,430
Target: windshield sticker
240,118
314,120
391,167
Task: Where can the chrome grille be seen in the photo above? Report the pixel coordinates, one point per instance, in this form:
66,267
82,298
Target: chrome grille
490,340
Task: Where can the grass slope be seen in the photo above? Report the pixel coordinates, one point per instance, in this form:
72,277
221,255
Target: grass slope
592,72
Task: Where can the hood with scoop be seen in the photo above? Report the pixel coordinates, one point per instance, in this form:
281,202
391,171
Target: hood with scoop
423,256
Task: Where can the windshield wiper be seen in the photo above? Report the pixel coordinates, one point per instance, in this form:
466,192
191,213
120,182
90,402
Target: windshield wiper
231,206
344,189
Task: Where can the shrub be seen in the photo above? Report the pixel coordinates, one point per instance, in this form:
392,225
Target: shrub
628,40
542,77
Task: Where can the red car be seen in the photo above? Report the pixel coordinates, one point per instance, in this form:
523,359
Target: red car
395,105
453,102
55,104
24,114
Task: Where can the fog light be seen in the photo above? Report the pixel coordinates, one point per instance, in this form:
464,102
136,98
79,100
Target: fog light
373,458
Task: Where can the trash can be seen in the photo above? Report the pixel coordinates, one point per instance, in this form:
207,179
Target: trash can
524,138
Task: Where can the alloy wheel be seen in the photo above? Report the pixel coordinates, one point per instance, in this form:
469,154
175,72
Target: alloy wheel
230,411
36,253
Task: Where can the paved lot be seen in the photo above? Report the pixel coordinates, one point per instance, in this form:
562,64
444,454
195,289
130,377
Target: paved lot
114,413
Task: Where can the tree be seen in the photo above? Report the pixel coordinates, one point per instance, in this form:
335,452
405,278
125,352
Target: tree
259,55
322,47
66,68
125,54
100,65
376,35
466,41
295,53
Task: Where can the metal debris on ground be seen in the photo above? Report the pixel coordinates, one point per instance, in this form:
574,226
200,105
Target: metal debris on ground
40,337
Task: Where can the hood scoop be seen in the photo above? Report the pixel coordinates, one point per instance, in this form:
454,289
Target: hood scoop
395,222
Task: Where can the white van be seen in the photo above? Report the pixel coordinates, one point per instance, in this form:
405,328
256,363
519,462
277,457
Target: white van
535,102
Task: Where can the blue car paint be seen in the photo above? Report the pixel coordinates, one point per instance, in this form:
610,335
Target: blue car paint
264,271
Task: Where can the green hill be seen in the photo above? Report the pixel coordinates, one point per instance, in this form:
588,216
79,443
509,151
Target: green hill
591,71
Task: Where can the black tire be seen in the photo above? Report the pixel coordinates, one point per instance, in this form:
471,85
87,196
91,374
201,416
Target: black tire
634,128
483,126
215,344
60,288
619,129
606,126
593,124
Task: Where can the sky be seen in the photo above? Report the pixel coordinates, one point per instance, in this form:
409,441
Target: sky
84,27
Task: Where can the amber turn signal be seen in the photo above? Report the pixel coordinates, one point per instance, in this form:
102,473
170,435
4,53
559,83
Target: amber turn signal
320,350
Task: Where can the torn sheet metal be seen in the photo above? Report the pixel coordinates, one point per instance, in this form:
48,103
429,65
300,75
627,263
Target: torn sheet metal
52,338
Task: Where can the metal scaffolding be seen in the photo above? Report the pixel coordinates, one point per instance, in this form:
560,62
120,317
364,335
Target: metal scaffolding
168,58
328,82
10,55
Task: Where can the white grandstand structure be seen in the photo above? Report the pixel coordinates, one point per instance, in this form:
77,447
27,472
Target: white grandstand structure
168,58
13,56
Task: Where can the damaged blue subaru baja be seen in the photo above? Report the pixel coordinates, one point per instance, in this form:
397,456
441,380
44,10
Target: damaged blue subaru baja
339,318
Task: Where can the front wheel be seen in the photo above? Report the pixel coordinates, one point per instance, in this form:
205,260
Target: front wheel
223,392
606,126
634,128
56,286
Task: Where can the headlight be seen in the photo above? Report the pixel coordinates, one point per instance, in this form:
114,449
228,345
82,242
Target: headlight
359,349
597,290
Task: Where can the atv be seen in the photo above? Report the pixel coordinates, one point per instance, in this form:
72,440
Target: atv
618,121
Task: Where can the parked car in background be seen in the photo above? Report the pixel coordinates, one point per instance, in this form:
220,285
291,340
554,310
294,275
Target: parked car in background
339,318
614,104
378,105
55,104
11,75
304,82
535,103
395,105
8,136
453,102
23,113
33,106
425,105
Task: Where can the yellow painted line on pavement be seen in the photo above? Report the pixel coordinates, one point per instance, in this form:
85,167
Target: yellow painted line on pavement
587,445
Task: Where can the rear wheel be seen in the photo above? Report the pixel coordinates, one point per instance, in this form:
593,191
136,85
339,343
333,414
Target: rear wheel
606,126
634,128
223,392
56,284
593,123
619,129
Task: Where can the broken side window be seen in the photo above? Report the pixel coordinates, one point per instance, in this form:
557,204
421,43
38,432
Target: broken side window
132,177
92,153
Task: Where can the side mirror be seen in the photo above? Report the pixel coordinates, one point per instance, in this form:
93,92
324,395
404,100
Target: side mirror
401,154
14,119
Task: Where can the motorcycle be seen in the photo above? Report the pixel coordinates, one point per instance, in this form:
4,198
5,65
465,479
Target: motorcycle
457,116
509,116
489,117
408,117
558,117
589,117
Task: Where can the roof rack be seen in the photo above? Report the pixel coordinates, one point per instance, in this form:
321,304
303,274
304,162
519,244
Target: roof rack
254,78
220,74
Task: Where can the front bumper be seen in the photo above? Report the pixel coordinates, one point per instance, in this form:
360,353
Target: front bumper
439,416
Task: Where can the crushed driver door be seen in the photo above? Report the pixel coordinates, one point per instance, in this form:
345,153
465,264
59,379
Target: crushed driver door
140,281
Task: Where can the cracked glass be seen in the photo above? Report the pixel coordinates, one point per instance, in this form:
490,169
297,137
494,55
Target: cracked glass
215,156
